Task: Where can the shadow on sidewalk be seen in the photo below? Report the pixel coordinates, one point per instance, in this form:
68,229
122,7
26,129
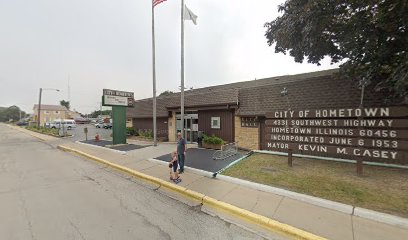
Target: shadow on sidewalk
108,144
200,158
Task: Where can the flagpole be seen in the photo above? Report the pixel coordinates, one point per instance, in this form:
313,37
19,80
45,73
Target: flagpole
154,79
182,68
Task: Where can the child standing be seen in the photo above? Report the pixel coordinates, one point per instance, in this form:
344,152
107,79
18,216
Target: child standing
173,168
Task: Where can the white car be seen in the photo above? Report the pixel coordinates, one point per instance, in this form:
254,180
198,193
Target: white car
99,125
66,123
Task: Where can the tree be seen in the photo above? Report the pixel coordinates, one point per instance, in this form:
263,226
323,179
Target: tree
65,104
97,113
369,38
166,93
12,112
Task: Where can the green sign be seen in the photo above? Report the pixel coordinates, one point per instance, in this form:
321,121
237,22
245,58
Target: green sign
118,100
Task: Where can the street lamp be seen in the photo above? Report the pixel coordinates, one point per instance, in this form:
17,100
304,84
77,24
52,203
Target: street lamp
363,83
39,104
284,93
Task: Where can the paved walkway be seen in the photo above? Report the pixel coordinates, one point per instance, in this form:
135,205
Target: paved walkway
318,220
200,158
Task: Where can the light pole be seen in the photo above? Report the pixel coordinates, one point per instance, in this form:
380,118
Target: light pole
39,104
363,83
284,93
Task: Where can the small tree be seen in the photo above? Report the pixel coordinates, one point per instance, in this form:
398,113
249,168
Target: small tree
65,104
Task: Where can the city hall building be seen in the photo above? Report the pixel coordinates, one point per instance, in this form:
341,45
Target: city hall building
315,113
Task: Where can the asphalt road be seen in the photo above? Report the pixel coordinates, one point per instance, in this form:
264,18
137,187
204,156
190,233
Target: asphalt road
49,194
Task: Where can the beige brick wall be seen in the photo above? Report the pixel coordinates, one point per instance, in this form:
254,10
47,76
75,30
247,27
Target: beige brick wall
246,137
129,122
49,116
172,127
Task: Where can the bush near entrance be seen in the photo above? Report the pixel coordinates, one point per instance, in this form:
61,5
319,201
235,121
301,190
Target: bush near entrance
146,133
43,130
131,131
212,142
381,189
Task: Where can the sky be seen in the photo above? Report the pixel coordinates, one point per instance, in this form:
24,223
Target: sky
89,45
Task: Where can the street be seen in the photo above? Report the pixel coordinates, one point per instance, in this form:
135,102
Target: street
49,194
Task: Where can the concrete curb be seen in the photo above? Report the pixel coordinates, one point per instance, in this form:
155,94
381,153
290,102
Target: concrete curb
344,208
381,217
99,147
229,209
341,207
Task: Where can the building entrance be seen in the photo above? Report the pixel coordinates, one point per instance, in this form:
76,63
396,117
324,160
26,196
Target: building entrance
190,126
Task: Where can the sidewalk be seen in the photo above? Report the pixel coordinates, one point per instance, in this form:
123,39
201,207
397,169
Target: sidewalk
318,220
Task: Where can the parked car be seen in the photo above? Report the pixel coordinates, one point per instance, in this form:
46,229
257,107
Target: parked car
98,125
67,123
22,123
107,125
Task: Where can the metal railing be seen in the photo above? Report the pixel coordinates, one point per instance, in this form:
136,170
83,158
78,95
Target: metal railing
228,150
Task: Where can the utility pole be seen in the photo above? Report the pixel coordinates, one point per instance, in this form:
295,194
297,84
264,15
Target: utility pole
39,104
39,109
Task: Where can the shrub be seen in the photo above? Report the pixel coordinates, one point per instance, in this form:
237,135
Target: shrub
130,131
147,133
213,140
50,131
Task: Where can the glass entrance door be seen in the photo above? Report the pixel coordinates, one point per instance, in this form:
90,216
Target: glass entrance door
190,127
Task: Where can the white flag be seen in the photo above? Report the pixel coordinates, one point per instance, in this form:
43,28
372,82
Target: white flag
189,15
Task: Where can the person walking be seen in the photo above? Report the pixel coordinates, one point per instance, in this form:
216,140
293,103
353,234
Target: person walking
181,152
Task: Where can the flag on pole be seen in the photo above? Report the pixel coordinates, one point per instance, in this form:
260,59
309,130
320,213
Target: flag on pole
157,2
189,15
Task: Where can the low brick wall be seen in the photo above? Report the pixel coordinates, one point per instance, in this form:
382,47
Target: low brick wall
246,137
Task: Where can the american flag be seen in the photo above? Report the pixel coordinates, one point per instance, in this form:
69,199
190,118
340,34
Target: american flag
156,2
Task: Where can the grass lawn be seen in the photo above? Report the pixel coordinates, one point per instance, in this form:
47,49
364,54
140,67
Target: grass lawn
381,189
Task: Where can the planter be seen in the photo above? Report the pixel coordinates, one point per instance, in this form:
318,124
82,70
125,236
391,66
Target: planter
212,146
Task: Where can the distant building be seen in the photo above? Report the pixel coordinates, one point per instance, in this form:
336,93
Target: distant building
49,113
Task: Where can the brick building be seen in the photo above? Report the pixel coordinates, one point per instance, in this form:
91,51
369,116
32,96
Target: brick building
238,112
49,113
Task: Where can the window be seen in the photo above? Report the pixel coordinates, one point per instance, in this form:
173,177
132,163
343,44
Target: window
215,122
56,112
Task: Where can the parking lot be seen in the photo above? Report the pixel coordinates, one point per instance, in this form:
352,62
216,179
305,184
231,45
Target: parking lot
79,134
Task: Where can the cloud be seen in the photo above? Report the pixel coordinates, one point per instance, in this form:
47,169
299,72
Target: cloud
107,44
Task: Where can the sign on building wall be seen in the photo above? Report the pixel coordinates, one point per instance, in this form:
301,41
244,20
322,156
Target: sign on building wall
373,134
249,122
117,98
